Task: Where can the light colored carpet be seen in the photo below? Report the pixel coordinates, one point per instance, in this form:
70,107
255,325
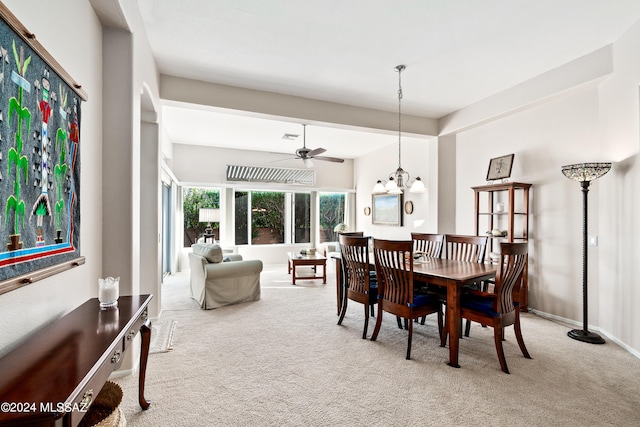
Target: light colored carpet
162,333
283,361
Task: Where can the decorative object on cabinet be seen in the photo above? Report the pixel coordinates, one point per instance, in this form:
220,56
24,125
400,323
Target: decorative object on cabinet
387,209
514,215
585,173
408,207
399,180
40,184
500,167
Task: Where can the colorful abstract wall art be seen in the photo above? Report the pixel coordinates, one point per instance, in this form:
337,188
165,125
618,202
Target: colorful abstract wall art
39,158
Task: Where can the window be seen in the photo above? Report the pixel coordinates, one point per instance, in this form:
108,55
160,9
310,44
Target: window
302,218
332,209
193,200
241,217
275,217
267,217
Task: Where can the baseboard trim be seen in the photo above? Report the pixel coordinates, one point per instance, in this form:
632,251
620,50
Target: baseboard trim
570,322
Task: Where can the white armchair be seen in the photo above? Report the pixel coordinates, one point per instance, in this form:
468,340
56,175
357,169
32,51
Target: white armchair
219,279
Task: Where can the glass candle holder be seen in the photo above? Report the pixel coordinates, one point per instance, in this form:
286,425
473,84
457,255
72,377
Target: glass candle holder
108,292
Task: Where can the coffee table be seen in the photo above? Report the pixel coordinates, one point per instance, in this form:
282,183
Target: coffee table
296,259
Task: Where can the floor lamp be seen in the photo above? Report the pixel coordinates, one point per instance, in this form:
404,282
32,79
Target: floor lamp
585,173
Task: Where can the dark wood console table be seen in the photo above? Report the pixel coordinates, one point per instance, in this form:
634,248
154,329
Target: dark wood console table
52,378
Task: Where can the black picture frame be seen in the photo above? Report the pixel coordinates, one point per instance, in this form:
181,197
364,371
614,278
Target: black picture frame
500,167
387,209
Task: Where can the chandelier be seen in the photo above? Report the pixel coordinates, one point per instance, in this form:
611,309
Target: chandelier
400,179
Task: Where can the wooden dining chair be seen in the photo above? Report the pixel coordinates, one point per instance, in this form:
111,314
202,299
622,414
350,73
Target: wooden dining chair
429,246
465,248
498,309
396,294
360,285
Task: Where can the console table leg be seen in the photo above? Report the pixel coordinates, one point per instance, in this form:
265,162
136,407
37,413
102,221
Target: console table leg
145,334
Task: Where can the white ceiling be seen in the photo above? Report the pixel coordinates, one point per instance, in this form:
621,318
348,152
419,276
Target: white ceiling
457,52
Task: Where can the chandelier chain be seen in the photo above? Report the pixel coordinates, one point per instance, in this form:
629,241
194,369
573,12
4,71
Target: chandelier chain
399,69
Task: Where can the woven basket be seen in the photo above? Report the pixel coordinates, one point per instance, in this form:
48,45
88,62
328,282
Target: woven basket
105,410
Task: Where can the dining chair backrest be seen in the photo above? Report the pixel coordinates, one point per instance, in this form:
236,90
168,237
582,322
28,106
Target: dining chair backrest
513,257
465,248
394,268
429,244
352,233
355,256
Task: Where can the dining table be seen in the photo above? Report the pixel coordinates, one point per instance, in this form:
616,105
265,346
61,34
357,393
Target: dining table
449,273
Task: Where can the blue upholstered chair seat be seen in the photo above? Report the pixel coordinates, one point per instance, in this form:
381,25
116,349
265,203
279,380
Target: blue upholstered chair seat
420,300
478,303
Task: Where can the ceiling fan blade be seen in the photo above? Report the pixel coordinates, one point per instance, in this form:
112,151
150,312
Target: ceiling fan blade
329,159
312,153
282,160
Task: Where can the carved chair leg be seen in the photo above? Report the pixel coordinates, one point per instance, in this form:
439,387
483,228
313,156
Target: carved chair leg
344,310
376,329
366,321
497,335
399,322
467,328
440,323
424,318
518,332
410,327
445,334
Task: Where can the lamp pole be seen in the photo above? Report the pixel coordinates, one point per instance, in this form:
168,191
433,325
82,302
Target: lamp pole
584,334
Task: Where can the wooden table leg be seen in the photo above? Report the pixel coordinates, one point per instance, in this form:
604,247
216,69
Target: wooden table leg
145,334
453,321
293,277
324,272
339,284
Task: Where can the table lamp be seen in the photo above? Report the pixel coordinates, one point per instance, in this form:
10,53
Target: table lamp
209,215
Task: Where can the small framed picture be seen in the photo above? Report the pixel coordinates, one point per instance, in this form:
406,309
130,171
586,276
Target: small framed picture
500,167
408,207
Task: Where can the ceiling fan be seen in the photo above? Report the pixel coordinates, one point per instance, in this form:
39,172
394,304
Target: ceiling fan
307,154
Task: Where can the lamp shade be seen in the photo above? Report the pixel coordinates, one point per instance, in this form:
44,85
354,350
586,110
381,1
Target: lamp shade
379,188
417,186
586,171
209,215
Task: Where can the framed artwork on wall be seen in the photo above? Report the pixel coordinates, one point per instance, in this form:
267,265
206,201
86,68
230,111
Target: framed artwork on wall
387,209
40,153
500,167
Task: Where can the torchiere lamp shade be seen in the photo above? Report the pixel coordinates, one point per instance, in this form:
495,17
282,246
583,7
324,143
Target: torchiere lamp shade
586,171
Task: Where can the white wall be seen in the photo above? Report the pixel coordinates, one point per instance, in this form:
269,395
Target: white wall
596,122
418,158
543,139
78,48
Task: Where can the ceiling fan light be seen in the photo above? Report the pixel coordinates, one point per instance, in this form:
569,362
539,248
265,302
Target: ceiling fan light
307,162
417,186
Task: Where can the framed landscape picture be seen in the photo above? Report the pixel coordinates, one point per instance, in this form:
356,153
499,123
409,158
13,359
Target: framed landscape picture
387,209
